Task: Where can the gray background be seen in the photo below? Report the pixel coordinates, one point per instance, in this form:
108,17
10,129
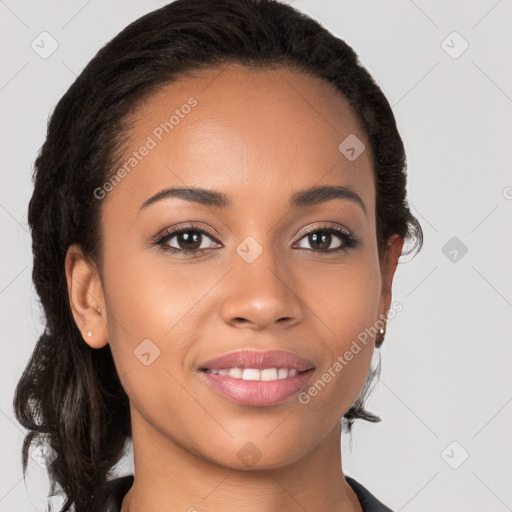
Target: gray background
445,391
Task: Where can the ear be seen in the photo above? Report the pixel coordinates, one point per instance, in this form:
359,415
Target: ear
86,298
393,251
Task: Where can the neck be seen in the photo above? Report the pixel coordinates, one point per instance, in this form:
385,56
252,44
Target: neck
171,479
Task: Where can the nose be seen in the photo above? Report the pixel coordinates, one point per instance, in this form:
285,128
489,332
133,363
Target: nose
261,295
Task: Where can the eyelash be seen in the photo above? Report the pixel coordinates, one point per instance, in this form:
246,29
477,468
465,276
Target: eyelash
348,240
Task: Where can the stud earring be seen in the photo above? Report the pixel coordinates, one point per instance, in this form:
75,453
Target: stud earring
99,310
89,334
380,338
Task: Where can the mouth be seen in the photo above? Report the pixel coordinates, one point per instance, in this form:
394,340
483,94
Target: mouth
256,378
252,390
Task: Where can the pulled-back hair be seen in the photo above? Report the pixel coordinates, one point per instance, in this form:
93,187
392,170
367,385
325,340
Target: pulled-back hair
70,395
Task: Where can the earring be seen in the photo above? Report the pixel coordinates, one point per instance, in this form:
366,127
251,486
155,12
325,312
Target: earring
89,334
380,338
99,310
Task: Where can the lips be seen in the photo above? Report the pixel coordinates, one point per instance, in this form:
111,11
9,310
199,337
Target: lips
258,360
257,393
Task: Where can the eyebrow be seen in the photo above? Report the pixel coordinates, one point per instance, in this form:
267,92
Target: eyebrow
299,199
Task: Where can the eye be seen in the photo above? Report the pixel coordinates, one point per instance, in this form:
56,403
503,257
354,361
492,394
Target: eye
194,241
187,240
322,238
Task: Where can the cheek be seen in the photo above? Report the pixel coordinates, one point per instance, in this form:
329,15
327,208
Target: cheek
145,298
151,328
345,302
344,298
151,297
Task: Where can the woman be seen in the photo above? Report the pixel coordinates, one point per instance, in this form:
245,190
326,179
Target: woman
218,212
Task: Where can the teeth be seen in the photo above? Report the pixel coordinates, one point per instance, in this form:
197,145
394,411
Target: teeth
251,374
267,374
282,373
236,373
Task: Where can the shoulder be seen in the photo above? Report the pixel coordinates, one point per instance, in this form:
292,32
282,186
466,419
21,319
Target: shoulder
369,502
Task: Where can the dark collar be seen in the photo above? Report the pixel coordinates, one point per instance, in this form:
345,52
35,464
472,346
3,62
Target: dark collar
369,503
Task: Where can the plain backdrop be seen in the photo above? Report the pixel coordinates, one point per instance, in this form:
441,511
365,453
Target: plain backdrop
445,394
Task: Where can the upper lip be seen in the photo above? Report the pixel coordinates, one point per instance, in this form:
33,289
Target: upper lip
247,358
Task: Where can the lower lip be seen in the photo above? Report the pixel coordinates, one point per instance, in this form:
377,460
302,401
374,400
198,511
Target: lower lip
256,392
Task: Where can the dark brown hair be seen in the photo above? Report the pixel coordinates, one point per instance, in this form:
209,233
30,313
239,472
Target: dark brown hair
70,394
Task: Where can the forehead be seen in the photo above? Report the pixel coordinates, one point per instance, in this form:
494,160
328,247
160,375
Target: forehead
257,135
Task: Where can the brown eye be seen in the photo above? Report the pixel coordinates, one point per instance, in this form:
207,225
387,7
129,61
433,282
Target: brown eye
330,239
186,240
322,240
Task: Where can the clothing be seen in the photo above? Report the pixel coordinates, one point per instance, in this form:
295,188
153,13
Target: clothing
118,487
369,503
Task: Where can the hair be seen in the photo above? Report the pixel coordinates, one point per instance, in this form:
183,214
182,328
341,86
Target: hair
69,394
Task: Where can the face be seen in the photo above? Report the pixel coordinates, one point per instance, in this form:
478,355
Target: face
187,278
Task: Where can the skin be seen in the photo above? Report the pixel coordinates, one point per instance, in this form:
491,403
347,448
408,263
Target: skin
257,136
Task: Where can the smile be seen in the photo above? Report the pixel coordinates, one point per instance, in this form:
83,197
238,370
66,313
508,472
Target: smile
265,374
256,387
